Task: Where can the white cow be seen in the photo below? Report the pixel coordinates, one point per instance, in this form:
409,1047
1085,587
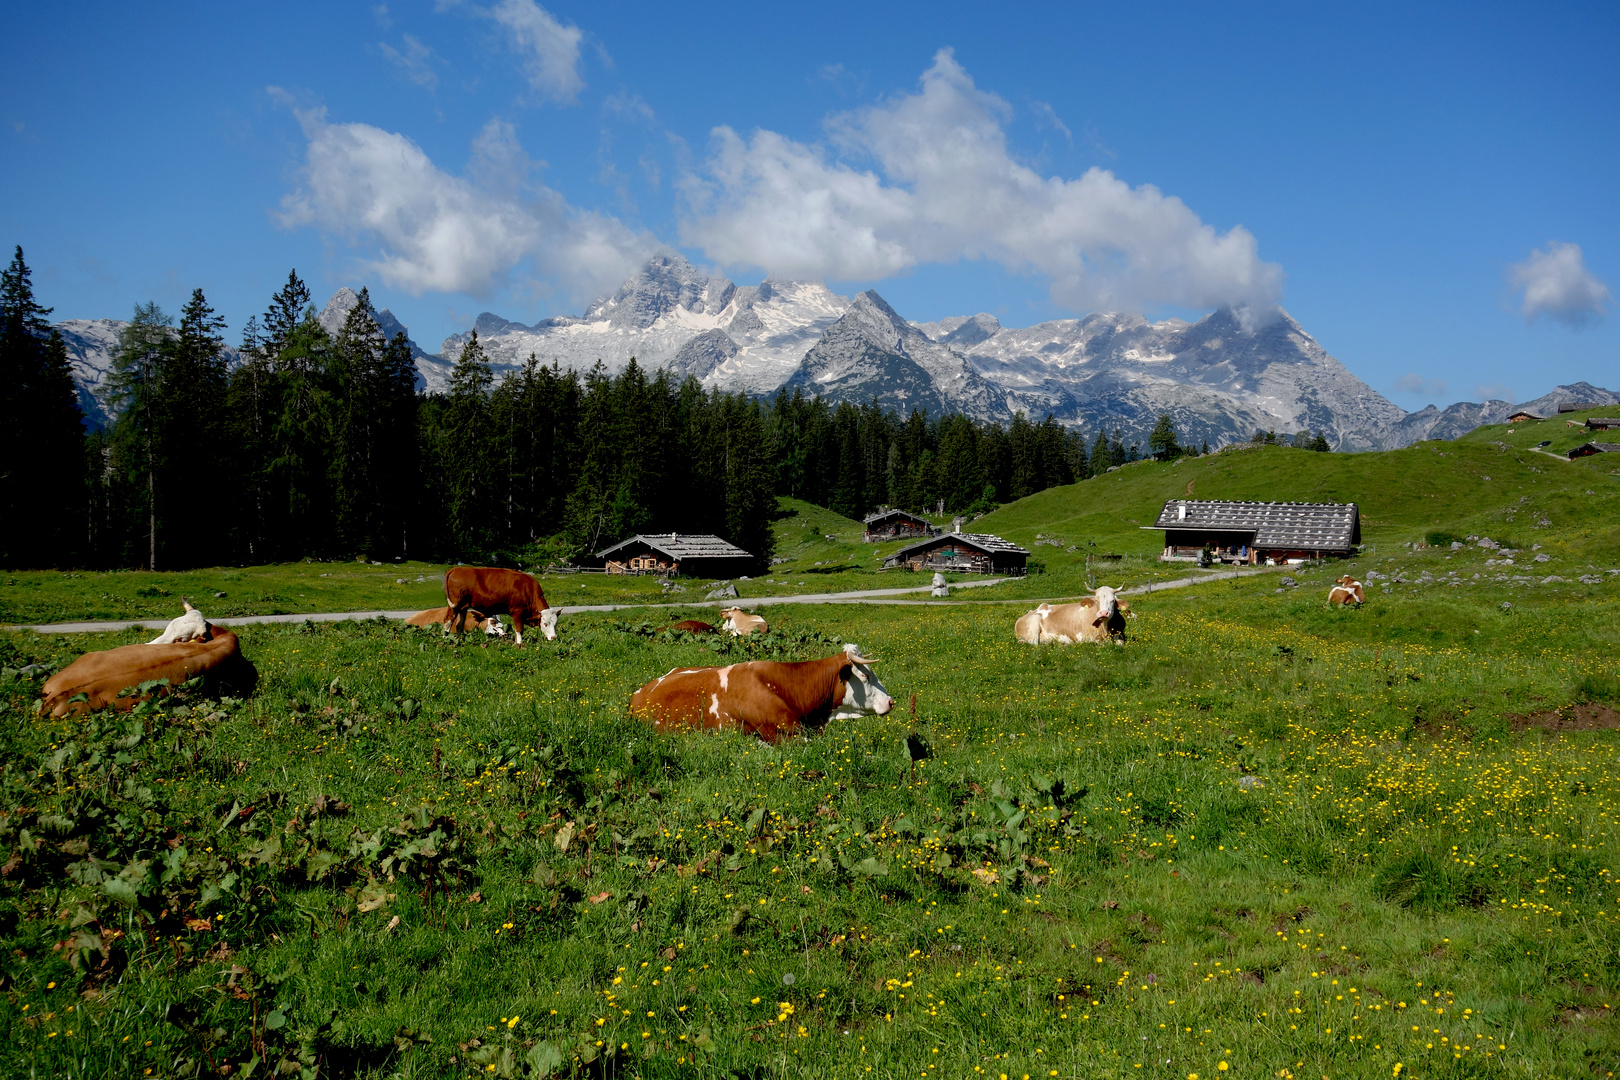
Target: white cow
740,623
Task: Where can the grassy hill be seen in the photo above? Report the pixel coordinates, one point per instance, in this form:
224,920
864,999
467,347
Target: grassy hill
1483,485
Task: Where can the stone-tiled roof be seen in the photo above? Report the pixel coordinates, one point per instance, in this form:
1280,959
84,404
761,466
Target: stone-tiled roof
1305,526
985,542
1596,448
884,515
680,546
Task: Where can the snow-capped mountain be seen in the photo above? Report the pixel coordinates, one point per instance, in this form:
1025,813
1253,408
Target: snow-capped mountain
1218,378
672,315
873,353
1221,378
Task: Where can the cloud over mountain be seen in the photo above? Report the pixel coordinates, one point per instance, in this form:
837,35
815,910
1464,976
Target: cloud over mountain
549,49
947,187
427,230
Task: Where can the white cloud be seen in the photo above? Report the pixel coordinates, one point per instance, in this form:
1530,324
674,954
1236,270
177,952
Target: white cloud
429,231
415,62
550,50
1417,384
1556,283
1494,391
1047,117
946,187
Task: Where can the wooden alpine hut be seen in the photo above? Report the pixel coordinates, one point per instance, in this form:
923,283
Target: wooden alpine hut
1257,533
972,553
668,554
889,524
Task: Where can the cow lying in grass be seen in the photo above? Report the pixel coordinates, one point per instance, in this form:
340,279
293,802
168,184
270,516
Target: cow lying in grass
102,677
1099,617
1347,590
443,616
740,623
770,700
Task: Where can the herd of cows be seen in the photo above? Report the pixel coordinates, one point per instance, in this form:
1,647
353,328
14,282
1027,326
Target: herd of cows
773,700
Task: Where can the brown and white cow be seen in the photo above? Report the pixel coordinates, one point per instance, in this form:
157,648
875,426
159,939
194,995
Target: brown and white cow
770,700
103,676
1347,590
740,623
1100,617
475,621
496,591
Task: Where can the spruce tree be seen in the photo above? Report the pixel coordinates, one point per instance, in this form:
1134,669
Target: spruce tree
42,488
1162,441
469,494
137,391
1100,457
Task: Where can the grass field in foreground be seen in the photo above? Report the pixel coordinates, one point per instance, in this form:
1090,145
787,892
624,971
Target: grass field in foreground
1297,841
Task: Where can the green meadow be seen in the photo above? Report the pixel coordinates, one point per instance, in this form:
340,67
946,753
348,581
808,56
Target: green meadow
1262,839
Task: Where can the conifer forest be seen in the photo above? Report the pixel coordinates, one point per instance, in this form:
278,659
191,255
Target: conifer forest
314,445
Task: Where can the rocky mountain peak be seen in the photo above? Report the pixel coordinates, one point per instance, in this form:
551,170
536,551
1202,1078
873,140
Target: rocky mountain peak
666,281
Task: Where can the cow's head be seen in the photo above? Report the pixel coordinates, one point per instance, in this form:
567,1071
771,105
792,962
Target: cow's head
1348,582
863,694
1107,599
493,627
548,624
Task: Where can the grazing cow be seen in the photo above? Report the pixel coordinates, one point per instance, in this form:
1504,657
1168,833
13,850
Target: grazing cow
693,626
740,623
188,627
103,676
476,620
495,591
1100,617
770,700
1347,590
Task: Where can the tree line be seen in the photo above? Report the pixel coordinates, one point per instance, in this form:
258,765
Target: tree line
319,445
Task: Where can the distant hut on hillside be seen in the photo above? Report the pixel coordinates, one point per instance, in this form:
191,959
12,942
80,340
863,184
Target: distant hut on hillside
1602,423
1257,532
888,524
1522,416
668,554
972,553
1588,449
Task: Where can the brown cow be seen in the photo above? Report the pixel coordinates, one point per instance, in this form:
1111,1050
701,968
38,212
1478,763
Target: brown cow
770,700
739,623
103,676
1347,590
495,591
692,626
440,616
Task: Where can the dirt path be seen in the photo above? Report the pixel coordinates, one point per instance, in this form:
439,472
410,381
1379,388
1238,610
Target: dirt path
862,596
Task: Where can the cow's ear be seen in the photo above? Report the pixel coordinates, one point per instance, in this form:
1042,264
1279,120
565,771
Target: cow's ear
845,672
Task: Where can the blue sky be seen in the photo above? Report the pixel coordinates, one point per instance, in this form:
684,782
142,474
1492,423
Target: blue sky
1430,191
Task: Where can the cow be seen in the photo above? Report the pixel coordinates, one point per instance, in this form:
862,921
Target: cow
495,591
739,623
476,620
1099,617
1347,590
104,676
188,627
764,698
693,626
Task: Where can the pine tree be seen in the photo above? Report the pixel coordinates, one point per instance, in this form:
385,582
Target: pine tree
1162,441
469,489
137,393
1100,457
41,432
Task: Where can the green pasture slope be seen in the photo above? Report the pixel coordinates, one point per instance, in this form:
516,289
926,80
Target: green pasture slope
1298,841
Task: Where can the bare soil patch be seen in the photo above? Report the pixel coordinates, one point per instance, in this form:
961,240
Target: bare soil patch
1587,716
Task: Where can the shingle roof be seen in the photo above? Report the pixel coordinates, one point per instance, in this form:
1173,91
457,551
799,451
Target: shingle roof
1308,526
682,546
1598,448
884,514
983,541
